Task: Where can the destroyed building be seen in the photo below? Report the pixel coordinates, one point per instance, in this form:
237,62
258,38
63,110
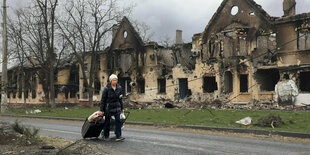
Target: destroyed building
241,57
25,85
245,52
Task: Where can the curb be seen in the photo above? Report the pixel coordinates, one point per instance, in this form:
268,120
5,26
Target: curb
235,130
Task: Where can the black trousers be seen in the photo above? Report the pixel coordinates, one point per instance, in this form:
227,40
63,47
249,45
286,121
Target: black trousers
118,126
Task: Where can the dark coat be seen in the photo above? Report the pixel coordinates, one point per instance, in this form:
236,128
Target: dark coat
111,101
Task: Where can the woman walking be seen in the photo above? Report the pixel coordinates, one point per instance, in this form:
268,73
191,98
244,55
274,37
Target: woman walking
112,105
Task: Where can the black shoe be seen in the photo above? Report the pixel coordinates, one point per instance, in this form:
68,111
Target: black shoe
106,139
119,139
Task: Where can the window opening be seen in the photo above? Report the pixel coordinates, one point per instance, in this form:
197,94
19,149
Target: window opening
228,82
161,85
209,84
244,83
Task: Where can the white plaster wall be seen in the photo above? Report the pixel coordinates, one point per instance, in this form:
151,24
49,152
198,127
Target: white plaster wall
302,99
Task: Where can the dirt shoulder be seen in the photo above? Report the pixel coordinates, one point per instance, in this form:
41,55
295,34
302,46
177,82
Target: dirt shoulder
17,142
13,142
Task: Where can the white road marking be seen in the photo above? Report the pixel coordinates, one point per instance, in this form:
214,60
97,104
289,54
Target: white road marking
62,131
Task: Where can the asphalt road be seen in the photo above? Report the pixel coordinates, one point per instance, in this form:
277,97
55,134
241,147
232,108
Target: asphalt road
152,141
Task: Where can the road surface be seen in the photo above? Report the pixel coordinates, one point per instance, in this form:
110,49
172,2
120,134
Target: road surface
154,141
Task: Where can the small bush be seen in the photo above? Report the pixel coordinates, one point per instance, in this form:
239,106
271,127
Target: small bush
18,128
29,134
270,121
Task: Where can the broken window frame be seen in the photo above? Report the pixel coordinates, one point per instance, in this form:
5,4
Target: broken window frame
97,86
9,85
234,11
57,89
304,83
221,48
252,14
66,91
116,61
161,83
14,83
244,86
141,58
228,81
125,34
20,86
74,75
209,88
306,37
112,62
109,62
98,62
125,84
141,86
183,83
211,48
34,86
269,76
73,90
125,61
26,85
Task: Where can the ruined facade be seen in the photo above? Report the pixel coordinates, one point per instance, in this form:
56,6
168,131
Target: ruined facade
238,59
247,52
24,85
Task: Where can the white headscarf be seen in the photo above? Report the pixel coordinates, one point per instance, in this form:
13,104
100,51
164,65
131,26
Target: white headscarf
113,76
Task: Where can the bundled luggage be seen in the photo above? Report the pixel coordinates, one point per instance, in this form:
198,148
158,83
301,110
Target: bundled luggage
96,116
93,125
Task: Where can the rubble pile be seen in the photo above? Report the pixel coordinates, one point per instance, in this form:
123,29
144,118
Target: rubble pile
213,104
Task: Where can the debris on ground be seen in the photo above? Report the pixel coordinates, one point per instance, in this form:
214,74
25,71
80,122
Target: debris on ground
245,121
85,147
270,121
33,111
19,139
209,103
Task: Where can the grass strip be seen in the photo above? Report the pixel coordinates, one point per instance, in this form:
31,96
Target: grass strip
294,121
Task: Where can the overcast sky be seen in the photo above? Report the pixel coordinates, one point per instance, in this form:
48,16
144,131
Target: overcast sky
191,16
165,16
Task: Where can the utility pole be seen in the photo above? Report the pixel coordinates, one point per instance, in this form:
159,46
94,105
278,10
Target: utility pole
4,77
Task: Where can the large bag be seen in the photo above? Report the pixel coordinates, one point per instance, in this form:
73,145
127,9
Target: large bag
96,116
92,129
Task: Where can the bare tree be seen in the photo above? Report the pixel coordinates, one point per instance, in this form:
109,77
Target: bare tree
17,49
143,29
33,34
85,26
166,41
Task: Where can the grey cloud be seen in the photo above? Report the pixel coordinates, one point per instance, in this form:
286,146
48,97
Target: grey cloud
165,16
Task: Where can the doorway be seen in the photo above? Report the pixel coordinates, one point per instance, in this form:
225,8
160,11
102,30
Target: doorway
183,87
